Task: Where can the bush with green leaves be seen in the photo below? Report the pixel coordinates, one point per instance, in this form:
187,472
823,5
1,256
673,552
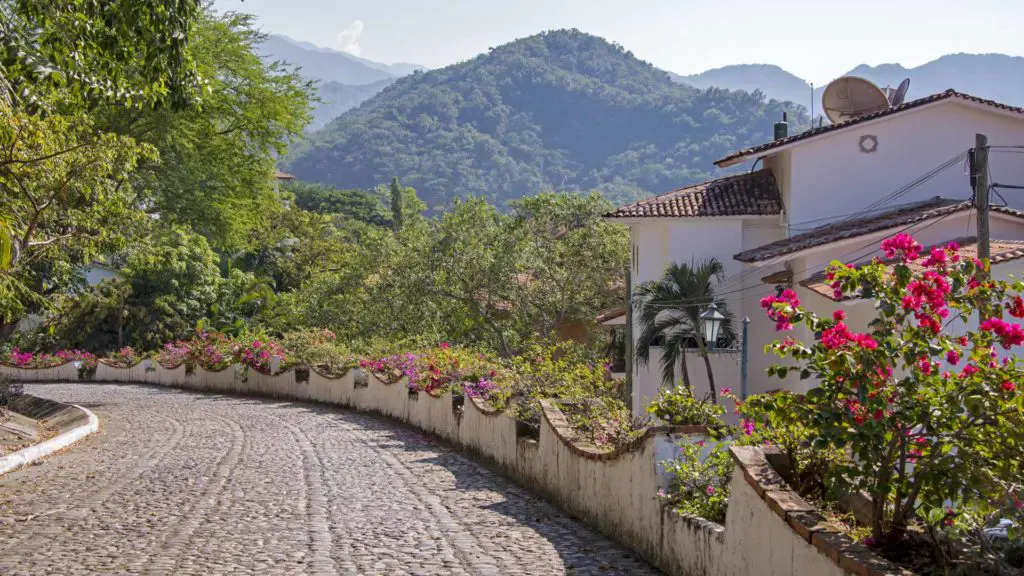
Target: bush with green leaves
318,348
930,420
678,406
604,422
700,476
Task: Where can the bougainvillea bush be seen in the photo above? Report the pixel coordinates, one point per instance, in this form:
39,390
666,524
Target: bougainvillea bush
258,354
445,368
700,476
124,358
21,359
604,422
932,421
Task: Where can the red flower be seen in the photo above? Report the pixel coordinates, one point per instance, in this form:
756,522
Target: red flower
1009,386
953,357
839,315
445,345
1016,307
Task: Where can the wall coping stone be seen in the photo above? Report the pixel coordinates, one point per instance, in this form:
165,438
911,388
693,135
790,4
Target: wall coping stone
804,519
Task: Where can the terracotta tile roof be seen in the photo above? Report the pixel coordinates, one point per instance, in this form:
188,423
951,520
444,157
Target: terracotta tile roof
901,216
748,194
283,176
742,154
1001,251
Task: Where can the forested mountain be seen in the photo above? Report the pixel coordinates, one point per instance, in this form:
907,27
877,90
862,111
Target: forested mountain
995,76
336,98
559,110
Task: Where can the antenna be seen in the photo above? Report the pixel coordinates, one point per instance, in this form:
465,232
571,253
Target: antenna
850,96
901,93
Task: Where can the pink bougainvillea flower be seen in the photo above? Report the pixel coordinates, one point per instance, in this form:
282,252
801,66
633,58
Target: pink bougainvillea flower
748,427
726,391
953,357
1008,386
839,315
445,345
710,490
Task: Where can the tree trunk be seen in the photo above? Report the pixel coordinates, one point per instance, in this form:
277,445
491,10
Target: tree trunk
711,378
685,372
702,349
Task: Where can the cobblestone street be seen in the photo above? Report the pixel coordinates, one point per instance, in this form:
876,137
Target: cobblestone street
184,483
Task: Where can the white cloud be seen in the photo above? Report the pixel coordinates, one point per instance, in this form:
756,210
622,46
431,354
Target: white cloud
348,38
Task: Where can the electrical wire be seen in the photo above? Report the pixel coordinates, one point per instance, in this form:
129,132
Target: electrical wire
861,251
874,206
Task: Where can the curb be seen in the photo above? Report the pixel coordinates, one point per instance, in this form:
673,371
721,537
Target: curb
32,453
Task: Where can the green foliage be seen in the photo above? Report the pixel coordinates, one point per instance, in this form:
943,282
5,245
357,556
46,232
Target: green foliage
323,199
561,110
62,185
927,417
397,219
768,419
216,163
700,476
130,52
678,406
165,287
476,276
317,347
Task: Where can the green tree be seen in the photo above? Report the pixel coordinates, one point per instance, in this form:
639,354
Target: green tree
324,199
396,206
669,310
216,165
67,201
131,52
165,287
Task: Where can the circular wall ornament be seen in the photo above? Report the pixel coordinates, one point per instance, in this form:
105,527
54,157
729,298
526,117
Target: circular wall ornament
868,143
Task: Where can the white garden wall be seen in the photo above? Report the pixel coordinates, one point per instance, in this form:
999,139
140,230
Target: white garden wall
614,492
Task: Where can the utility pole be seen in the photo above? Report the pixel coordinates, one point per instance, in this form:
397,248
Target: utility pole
980,178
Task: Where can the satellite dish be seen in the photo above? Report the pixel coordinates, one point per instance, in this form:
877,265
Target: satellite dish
901,93
849,97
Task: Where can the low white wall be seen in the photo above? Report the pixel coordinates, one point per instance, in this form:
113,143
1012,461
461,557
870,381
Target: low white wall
614,492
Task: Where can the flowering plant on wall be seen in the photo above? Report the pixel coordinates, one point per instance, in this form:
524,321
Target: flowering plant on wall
257,354
931,420
125,357
43,360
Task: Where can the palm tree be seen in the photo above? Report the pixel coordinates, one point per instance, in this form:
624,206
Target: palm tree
670,309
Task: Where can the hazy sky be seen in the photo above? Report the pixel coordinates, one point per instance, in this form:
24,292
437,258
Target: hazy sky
814,39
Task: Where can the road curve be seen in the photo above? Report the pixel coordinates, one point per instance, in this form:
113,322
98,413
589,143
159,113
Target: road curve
185,483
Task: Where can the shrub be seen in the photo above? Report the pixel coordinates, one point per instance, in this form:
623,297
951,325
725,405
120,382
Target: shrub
257,354
931,421
319,348
678,406
125,357
700,476
604,422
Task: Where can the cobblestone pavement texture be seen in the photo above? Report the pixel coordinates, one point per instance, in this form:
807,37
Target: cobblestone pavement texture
185,483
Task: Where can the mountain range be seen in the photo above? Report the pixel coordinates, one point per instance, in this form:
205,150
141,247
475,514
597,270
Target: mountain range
343,81
995,76
561,110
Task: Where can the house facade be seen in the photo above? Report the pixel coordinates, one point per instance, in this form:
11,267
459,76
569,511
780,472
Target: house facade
831,193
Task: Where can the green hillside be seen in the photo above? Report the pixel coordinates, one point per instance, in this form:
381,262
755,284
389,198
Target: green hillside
560,110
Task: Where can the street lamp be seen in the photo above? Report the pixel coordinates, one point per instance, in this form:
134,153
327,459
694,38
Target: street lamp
711,322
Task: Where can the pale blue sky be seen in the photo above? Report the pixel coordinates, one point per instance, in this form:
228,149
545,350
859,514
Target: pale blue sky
814,39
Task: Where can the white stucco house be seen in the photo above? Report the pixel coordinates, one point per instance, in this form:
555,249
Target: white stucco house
833,192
